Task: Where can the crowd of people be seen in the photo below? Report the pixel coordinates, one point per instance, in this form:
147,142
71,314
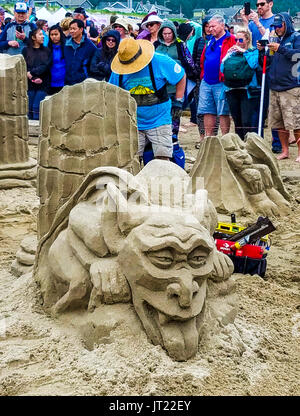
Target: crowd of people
214,69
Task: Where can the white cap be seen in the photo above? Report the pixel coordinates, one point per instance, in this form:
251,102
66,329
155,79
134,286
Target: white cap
151,18
121,22
20,7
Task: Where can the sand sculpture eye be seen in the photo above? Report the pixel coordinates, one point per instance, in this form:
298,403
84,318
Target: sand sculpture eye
198,257
161,258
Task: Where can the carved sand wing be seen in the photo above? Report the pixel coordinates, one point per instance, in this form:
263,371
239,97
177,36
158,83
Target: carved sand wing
17,169
241,177
137,239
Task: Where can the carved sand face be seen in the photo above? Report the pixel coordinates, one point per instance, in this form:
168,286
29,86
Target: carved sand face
166,263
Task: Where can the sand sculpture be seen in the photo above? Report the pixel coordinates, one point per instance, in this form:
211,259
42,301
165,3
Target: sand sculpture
16,167
25,256
139,239
84,126
241,177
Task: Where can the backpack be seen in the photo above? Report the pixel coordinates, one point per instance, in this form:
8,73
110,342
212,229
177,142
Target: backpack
159,96
237,72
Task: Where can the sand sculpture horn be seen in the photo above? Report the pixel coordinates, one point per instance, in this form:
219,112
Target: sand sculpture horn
120,239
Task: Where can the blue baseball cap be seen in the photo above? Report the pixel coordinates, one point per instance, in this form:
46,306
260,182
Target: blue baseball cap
278,21
20,7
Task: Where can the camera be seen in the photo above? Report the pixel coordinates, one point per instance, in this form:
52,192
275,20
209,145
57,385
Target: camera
263,42
247,8
19,28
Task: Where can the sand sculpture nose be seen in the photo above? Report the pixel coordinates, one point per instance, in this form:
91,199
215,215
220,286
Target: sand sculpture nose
184,291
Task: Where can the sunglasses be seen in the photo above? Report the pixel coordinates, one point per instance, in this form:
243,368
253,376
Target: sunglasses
240,40
118,27
260,4
111,40
279,26
151,24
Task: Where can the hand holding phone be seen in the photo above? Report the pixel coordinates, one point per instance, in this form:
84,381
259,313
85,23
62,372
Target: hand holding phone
247,8
263,42
20,34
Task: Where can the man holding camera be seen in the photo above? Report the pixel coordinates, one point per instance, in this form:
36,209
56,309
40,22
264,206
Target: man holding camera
258,21
15,35
285,83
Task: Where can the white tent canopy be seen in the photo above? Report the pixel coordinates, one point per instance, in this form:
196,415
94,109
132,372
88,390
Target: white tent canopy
57,16
44,14
6,14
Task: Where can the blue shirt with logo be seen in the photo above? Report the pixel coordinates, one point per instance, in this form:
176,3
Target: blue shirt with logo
165,69
256,35
212,60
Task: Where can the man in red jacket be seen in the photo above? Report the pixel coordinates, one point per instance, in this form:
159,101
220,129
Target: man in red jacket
210,103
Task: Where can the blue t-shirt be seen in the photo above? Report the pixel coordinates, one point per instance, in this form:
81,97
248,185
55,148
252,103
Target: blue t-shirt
165,69
256,35
212,60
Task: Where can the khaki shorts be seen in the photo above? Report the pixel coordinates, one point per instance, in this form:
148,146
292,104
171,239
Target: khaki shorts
161,139
284,109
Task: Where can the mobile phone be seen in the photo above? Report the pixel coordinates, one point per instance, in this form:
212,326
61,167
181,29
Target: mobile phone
247,8
263,42
19,28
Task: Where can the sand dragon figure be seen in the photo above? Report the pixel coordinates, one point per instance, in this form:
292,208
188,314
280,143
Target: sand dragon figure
139,239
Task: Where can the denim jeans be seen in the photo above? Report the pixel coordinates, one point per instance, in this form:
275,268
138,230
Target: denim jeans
35,97
210,101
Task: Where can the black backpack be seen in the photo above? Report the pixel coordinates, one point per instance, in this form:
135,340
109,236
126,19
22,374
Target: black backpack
237,72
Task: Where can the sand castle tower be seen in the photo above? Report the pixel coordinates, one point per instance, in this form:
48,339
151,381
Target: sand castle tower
84,126
16,167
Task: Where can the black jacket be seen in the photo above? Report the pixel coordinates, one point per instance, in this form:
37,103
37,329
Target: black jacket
38,61
101,61
197,52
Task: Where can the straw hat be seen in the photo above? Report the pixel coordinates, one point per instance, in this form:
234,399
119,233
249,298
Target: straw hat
133,55
152,18
121,22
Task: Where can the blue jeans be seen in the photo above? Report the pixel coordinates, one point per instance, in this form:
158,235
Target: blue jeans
35,97
210,101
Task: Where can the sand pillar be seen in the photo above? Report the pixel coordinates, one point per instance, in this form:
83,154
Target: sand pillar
84,126
16,167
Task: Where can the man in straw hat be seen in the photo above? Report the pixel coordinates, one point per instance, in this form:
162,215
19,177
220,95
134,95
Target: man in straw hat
145,74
